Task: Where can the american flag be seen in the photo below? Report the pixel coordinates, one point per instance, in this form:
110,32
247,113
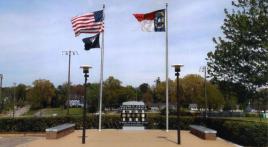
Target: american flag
88,23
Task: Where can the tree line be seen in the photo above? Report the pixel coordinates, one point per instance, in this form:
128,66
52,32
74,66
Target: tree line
42,93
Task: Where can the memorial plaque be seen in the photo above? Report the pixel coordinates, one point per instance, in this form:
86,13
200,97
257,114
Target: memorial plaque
133,115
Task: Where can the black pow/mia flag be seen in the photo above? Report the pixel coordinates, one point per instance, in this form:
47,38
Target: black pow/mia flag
92,42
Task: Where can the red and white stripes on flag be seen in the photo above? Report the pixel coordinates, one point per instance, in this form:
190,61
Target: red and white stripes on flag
89,23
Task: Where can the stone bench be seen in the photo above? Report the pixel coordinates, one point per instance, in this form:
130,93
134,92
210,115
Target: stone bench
203,132
59,131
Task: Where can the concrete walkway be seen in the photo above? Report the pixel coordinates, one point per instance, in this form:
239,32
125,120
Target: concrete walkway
18,111
119,138
12,141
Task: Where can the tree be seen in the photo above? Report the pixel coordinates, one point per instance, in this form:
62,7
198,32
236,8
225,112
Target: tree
146,94
40,95
93,92
112,83
193,89
111,90
160,91
61,96
230,103
21,91
126,94
193,86
233,93
144,87
241,55
214,97
262,99
7,95
77,91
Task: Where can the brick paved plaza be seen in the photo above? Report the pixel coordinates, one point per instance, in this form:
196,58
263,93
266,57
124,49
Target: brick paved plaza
119,138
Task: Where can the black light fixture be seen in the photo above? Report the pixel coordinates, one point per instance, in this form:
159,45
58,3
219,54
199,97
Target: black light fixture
85,71
177,74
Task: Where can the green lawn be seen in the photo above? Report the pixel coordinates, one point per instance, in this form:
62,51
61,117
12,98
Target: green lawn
62,112
56,111
255,119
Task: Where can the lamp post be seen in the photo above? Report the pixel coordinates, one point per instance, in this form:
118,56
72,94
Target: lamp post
85,71
177,74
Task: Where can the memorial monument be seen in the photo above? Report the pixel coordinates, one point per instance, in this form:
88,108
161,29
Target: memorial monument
133,115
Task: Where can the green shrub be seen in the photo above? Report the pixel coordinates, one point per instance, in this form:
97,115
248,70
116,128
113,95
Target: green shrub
241,132
183,112
238,131
159,122
252,114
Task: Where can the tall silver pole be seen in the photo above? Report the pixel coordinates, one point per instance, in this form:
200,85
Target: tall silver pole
101,73
167,67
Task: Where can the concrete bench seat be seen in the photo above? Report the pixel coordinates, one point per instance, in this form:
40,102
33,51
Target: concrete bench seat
59,131
203,132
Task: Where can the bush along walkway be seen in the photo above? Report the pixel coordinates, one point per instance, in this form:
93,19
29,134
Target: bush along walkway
244,133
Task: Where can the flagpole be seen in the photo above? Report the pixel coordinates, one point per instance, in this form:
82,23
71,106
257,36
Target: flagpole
166,26
101,73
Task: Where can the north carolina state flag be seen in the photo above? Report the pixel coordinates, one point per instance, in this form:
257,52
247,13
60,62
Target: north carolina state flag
153,21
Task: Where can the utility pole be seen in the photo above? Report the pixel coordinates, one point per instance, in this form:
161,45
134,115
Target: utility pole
14,99
204,69
1,83
69,53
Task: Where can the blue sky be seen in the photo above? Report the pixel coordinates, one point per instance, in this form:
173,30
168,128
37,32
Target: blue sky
34,33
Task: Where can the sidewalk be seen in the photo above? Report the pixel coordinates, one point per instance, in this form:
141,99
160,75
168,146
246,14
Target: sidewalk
119,138
18,111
